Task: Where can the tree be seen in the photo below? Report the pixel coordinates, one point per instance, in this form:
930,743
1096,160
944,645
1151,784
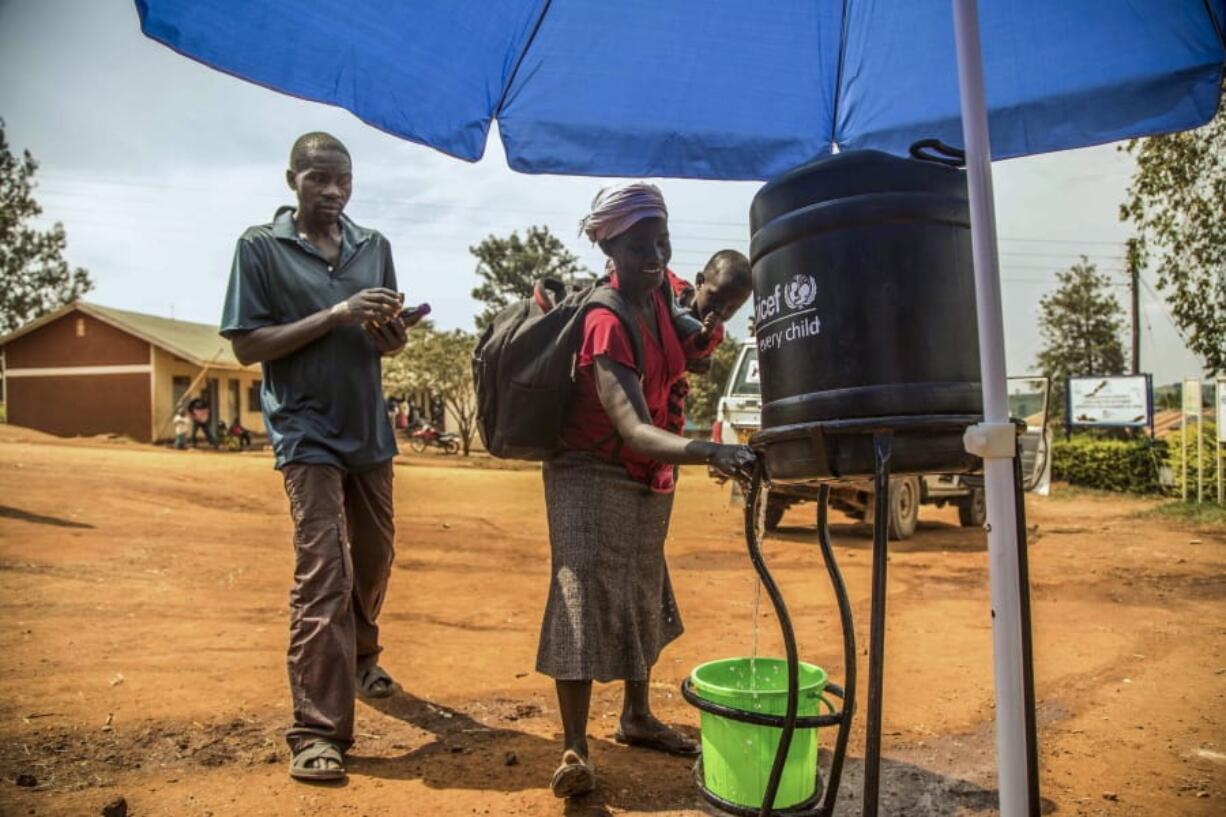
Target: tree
1177,201
1080,324
34,277
439,364
706,389
509,266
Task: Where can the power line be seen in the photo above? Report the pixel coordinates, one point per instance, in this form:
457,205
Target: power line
1165,312
89,217
1059,255
1063,240
436,205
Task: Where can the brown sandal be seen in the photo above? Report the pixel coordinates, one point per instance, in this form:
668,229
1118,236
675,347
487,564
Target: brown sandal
374,682
575,777
319,761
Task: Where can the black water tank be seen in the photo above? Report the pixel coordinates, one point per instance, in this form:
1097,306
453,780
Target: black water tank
864,300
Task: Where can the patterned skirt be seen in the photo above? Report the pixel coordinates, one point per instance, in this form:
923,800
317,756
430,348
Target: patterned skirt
611,608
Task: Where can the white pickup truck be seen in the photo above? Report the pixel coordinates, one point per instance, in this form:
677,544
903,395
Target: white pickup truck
739,416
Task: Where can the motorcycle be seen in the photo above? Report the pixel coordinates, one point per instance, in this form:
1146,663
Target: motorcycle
426,436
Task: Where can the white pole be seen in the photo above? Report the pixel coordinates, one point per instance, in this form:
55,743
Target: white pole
1183,442
1200,450
1003,571
1220,394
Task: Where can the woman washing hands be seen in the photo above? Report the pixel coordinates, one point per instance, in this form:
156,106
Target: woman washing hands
609,495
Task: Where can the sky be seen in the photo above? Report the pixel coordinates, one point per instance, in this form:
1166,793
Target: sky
156,164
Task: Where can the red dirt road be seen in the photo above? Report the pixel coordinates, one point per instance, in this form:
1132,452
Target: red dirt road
143,614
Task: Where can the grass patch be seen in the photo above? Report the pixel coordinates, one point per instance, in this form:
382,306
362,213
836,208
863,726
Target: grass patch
1205,515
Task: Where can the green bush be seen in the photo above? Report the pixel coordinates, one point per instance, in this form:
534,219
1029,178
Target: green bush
1175,460
1110,465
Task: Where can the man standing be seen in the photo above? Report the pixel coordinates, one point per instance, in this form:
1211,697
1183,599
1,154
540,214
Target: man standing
201,420
312,297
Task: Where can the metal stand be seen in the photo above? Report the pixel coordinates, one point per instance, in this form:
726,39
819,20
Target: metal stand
882,432
821,804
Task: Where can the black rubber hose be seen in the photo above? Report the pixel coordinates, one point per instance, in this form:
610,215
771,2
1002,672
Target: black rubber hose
849,649
757,498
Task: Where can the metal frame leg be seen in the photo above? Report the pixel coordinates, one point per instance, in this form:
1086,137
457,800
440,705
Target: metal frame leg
883,443
1028,695
849,652
821,804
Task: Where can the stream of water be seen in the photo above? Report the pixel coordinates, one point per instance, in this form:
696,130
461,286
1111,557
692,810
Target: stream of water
753,654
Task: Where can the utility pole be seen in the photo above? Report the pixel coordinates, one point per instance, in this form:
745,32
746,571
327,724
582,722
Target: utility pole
1134,276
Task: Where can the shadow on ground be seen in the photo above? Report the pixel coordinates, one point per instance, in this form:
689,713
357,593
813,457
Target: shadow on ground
929,537
911,790
38,519
468,754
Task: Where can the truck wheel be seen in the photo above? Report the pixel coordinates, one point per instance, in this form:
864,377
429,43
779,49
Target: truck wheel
774,512
973,509
904,507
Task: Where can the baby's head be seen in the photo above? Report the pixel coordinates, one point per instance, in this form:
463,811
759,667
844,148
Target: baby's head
723,286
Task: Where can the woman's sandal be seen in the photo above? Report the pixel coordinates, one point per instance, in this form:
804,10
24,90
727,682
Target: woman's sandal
575,777
374,682
311,762
669,741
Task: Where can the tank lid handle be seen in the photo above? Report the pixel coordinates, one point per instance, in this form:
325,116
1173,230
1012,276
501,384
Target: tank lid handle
941,153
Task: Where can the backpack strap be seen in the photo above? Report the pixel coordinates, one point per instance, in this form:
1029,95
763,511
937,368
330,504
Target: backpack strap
612,300
548,292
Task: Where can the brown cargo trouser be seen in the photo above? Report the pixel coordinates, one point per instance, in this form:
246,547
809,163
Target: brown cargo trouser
344,541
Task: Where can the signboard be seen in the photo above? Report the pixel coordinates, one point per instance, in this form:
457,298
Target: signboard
1109,401
1221,411
1192,398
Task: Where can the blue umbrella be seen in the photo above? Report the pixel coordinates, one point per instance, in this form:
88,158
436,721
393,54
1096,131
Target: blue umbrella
714,89
727,89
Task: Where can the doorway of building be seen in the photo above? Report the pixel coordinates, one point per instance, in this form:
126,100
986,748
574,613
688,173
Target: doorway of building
211,397
178,389
233,406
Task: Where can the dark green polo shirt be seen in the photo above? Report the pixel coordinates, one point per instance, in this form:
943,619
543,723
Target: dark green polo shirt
323,403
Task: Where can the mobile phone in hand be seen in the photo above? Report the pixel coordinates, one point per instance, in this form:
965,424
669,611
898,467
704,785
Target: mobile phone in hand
411,316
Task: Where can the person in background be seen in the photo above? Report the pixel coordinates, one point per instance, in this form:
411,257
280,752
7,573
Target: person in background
313,298
198,408
183,425
611,608
241,434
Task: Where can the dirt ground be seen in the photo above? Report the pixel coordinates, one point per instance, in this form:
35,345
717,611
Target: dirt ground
143,614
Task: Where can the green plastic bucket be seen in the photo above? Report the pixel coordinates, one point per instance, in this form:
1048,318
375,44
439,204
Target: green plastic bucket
737,757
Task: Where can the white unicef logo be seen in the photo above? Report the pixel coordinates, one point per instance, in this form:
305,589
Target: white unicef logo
800,291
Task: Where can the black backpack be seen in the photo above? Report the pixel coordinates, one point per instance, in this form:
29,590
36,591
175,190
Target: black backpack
524,366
